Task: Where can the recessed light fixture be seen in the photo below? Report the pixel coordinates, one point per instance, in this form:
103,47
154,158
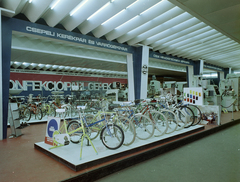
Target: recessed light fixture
78,7
55,4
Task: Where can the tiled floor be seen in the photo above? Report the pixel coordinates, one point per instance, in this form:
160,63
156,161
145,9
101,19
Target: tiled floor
19,161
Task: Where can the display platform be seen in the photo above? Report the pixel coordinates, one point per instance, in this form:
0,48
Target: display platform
69,155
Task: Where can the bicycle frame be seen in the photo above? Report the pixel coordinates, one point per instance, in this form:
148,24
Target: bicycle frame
82,128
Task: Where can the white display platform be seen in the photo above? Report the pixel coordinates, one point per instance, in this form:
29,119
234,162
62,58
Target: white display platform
70,154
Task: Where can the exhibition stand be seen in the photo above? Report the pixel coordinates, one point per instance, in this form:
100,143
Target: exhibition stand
69,155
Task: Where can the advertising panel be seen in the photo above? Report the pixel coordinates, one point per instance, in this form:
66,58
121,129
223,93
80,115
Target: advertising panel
53,124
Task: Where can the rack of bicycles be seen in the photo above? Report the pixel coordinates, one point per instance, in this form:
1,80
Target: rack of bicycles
140,119
38,108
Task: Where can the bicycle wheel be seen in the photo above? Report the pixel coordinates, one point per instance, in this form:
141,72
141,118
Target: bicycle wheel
93,129
76,136
143,125
52,111
160,123
189,116
26,114
182,118
112,136
128,128
38,114
171,119
197,114
44,110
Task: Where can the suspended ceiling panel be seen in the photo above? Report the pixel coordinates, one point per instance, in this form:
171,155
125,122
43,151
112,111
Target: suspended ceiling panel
192,29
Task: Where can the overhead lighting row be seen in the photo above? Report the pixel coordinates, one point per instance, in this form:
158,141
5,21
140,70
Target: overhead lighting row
16,65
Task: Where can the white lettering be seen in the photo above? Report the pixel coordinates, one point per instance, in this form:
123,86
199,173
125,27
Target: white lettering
53,86
67,85
40,31
37,86
90,86
60,85
105,86
70,37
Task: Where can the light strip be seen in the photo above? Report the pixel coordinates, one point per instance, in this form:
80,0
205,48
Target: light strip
212,75
113,17
55,4
127,21
78,7
99,10
151,7
132,4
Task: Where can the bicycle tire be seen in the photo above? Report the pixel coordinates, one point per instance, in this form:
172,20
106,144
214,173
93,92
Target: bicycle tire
182,118
26,114
38,114
128,128
197,114
52,111
190,116
93,131
160,123
112,136
143,125
171,119
76,136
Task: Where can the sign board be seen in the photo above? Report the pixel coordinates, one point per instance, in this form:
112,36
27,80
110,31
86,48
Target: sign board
53,124
193,95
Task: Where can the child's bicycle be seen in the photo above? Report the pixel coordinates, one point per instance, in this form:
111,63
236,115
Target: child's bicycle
111,135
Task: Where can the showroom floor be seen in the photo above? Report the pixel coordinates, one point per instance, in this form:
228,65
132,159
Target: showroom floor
215,158
21,162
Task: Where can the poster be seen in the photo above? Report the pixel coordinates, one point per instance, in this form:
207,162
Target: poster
53,124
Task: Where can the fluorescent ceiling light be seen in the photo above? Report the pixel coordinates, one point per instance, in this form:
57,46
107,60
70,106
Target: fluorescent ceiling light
211,75
150,7
99,10
127,21
30,1
132,4
78,7
113,17
55,4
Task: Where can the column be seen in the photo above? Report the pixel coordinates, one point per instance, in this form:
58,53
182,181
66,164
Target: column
190,76
6,40
140,66
131,92
144,72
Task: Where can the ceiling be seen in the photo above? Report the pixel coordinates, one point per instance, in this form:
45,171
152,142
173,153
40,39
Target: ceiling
192,29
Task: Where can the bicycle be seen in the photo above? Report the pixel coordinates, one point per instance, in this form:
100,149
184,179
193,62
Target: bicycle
46,108
110,117
24,111
158,118
143,125
111,135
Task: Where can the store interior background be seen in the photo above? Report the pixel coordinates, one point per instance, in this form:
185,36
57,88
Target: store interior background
213,37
